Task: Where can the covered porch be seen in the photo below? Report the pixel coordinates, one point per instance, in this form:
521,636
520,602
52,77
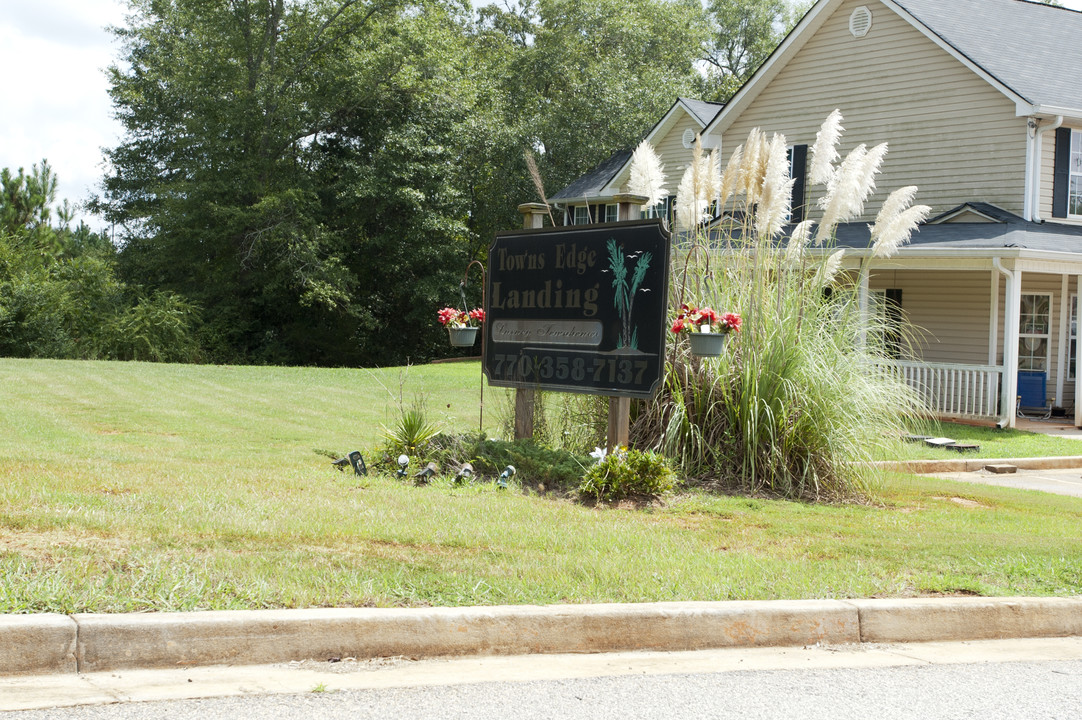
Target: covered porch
994,330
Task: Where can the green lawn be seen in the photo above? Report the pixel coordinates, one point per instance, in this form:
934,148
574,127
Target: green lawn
132,486
993,442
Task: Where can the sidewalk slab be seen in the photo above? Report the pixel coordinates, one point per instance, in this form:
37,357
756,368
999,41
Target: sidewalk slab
37,644
967,618
108,642
927,467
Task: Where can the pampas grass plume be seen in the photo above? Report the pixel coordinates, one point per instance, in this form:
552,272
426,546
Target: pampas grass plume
829,269
776,190
872,162
730,177
825,150
686,217
647,176
794,251
895,223
843,196
750,175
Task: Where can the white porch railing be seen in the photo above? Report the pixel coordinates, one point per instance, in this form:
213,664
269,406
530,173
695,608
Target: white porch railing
970,391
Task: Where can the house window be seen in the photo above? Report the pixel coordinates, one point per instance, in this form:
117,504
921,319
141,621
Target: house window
582,215
663,209
1034,322
612,213
1074,195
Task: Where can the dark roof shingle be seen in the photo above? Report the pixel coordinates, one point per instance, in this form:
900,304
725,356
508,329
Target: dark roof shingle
1032,48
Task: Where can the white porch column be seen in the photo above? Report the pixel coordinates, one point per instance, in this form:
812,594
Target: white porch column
862,301
1077,355
1011,310
993,319
1064,341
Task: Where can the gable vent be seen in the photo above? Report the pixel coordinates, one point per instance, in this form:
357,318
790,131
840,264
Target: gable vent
860,22
689,138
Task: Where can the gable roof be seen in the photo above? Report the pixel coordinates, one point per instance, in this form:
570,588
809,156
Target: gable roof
703,111
1033,49
988,211
1029,51
590,184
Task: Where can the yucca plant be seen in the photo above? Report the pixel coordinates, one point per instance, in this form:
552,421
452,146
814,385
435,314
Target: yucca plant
796,405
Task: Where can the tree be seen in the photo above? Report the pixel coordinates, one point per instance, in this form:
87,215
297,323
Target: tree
288,166
743,33
59,294
578,80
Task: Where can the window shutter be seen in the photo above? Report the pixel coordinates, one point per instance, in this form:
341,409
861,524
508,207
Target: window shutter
1061,178
893,339
797,170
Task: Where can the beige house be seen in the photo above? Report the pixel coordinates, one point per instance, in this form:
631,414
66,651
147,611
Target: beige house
981,103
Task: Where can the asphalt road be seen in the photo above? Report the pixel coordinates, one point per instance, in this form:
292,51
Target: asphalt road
986,691
990,680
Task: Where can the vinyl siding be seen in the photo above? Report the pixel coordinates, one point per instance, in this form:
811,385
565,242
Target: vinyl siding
950,133
948,309
1048,162
670,148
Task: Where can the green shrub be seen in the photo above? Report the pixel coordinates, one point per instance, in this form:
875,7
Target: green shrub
636,474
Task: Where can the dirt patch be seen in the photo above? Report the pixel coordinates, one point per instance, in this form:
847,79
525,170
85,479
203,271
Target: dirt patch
964,502
50,546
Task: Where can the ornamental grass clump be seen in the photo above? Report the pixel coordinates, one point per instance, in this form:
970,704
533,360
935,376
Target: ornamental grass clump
796,405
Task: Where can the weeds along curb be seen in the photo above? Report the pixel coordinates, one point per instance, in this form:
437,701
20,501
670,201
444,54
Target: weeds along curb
41,644
974,464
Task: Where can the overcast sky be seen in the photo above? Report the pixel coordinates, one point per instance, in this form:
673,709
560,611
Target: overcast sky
53,86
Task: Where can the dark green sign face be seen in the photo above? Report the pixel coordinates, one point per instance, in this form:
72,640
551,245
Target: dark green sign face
579,309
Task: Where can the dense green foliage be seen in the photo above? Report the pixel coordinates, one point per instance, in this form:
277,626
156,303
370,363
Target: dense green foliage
636,474
317,175
59,293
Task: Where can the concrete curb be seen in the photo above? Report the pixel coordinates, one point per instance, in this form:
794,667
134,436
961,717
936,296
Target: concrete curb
968,618
108,642
41,644
974,464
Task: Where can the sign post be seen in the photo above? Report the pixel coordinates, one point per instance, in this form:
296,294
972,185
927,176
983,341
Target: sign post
579,309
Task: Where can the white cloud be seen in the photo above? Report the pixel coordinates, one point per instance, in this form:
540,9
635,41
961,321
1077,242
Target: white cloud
56,103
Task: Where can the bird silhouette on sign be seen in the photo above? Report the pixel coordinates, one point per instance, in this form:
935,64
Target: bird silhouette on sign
422,476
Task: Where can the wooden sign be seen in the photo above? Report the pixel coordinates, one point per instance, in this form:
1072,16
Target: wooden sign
578,309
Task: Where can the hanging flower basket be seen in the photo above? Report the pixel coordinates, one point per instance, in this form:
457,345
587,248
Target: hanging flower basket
462,325
698,324
463,336
707,344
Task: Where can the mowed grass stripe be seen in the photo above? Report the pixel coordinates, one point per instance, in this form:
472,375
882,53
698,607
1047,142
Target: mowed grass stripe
132,486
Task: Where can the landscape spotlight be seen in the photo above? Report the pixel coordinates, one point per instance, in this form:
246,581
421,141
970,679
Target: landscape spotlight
504,476
403,463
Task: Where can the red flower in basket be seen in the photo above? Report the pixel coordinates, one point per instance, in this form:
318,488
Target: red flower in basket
452,318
